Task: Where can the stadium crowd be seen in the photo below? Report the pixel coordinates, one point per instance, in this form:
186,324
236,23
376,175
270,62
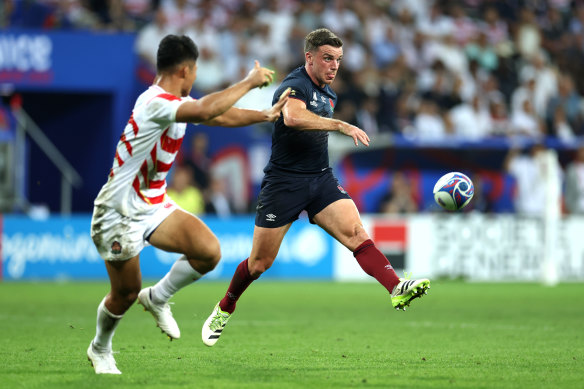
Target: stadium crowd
425,69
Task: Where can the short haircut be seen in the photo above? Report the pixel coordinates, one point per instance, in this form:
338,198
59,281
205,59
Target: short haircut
173,50
321,37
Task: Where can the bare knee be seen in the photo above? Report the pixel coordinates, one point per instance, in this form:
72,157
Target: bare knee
357,236
204,259
122,299
257,266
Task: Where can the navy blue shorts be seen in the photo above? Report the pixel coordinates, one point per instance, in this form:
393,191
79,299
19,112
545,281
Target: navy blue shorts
282,198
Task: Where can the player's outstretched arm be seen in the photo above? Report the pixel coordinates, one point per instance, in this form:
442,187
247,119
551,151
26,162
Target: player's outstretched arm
217,103
237,117
298,117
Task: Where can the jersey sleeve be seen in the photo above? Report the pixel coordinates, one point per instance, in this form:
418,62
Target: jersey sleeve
162,108
299,89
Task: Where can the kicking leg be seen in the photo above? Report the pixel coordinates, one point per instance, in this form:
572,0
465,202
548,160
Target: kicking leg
341,220
184,233
125,280
266,243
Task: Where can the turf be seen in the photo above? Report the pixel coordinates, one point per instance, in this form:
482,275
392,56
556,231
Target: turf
304,335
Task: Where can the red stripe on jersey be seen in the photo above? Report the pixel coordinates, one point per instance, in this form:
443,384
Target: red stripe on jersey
168,96
169,144
111,173
157,199
163,167
136,185
119,159
156,184
148,200
128,145
133,123
144,171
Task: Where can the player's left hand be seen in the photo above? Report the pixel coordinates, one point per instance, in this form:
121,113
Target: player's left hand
356,133
273,113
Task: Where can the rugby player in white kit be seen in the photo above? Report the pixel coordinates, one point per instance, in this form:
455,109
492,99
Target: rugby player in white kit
132,209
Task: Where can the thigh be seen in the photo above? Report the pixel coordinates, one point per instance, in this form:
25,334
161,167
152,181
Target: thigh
342,221
267,242
182,232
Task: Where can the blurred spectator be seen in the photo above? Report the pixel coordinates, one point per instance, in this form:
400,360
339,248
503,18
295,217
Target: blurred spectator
180,13
561,127
525,122
574,192
471,120
482,51
211,66
216,202
528,36
435,25
570,103
149,37
499,116
465,28
494,28
399,198
199,161
528,172
339,18
366,116
429,124
184,193
545,81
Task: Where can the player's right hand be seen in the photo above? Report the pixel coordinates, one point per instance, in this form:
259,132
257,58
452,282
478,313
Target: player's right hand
259,76
356,133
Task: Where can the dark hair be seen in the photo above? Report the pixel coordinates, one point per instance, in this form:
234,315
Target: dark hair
321,37
173,50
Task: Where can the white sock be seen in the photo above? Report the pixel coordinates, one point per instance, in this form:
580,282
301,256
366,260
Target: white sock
180,275
105,328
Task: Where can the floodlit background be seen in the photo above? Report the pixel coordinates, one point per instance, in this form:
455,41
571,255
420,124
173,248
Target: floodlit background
492,89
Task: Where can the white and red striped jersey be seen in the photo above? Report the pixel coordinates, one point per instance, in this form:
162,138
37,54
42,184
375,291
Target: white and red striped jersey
145,153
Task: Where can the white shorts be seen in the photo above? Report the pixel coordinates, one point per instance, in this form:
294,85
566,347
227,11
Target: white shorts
118,237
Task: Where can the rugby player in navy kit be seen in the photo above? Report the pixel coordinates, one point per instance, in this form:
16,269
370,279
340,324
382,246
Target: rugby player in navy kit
298,177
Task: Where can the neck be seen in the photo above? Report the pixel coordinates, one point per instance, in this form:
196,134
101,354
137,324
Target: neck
308,70
169,84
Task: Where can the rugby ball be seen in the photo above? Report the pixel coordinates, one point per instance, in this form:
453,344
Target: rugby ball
453,191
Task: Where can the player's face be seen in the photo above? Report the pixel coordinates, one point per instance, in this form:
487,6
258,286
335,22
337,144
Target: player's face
190,77
325,63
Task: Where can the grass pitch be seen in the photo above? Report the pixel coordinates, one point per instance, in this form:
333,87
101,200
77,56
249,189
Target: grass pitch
304,335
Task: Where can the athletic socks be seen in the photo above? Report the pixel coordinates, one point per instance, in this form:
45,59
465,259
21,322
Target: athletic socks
105,328
374,263
239,283
180,275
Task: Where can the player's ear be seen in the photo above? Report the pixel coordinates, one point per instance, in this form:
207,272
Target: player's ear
309,58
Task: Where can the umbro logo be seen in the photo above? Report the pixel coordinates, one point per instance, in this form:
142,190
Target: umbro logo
271,217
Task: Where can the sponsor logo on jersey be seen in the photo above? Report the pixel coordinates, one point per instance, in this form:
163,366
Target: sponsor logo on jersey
340,188
292,92
271,217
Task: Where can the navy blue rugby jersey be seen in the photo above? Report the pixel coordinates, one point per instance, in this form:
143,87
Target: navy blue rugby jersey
299,151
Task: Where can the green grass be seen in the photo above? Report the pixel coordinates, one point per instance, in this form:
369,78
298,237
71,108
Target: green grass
304,335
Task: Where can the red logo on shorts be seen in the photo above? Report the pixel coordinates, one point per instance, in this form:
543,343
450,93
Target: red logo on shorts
167,205
116,247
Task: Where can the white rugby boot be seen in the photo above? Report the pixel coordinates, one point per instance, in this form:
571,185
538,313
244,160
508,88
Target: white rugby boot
102,362
161,312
